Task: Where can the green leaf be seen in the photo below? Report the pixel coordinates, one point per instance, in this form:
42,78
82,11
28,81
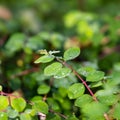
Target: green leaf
72,18
31,112
53,117
95,110
60,90
116,113
44,52
45,59
53,104
107,92
63,72
95,76
3,116
85,70
82,100
117,66
53,52
15,43
66,104
40,106
3,102
65,82
35,43
107,99
52,69
56,117
36,98
76,90
25,116
12,113
73,117
96,84
0,88
18,104
71,53
43,89
57,97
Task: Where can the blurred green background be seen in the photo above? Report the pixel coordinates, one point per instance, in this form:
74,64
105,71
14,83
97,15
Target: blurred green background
29,25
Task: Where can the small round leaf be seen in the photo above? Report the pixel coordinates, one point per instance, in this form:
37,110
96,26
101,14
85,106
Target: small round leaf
43,89
85,70
63,72
76,90
82,100
18,104
73,117
0,88
95,76
71,53
116,112
45,59
95,110
40,106
52,69
3,102
25,116
12,113
3,116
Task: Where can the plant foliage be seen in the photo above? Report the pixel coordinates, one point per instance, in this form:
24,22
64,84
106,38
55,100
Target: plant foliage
59,60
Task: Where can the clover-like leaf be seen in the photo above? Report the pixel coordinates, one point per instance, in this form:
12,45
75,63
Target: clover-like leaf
85,70
45,59
94,110
3,102
116,112
71,53
12,113
15,43
108,99
0,88
63,72
82,100
52,69
95,76
18,104
76,90
25,116
44,52
40,106
43,89
3,116
73,117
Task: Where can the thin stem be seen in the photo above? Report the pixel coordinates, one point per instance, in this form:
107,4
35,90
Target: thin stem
83,81
8,94
41,116
90,91
50,84
63,116
45,97
25,72
77,74
106,116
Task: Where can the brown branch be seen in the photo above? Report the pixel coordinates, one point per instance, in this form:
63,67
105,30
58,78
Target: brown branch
77,74
25,72
106,116
83,81
50,84
3,40
8,94
63,116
